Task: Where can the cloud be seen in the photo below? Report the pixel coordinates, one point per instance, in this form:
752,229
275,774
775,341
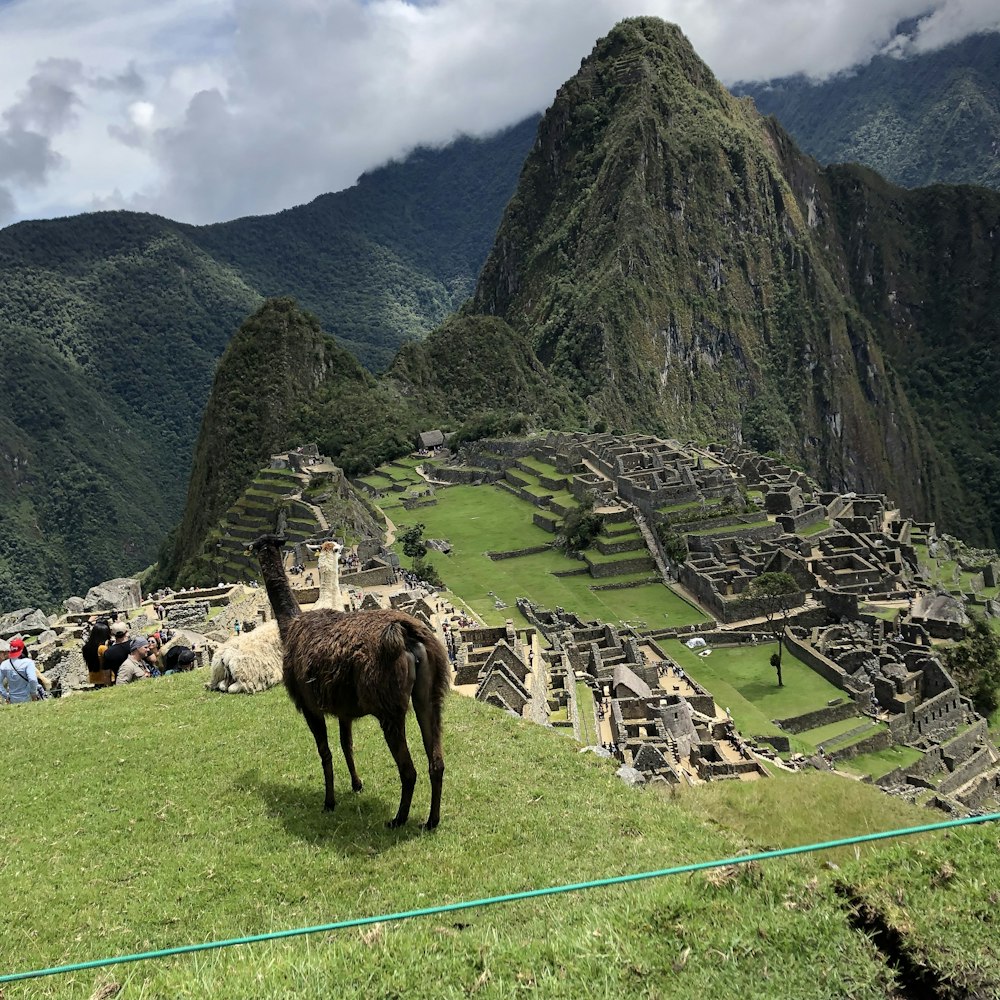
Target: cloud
8,210
208,109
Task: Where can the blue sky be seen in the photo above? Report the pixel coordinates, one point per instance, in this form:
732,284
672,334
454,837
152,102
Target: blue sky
204,110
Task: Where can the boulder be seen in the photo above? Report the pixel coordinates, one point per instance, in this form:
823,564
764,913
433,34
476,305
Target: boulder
630,775
123,594
28,620
73,605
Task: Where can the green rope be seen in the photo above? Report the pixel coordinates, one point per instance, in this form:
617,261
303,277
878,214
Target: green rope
491,900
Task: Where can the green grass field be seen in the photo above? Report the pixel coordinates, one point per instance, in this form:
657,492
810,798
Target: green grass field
881,761
741,679
481,519
166,816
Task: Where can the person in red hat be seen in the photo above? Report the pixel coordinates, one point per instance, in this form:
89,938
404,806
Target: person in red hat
18,677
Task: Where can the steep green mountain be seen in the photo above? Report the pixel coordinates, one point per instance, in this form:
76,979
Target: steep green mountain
267,388
664,254
282,381
921,119
115,322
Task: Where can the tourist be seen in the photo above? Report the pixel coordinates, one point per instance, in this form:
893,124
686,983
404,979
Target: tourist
18,677
93,654
160,611
237,626
178,659
115,654
181,662
134,667
152,657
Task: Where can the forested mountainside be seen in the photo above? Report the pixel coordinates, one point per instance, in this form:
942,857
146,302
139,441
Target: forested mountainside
926,118
112,324
670,262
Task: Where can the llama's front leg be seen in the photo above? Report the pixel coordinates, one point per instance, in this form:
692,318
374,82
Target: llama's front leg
347,745
395,736
317,725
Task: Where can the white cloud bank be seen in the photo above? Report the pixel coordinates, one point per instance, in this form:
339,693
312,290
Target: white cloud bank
204,110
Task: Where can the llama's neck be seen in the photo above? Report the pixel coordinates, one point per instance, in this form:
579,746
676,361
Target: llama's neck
329,581
279,593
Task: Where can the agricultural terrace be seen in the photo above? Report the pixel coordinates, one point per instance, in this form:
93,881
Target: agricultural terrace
481,519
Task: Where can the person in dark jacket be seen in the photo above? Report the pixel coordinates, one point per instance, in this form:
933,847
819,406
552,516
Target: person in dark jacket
114,655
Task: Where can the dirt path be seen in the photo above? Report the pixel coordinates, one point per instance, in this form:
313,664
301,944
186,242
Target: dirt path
390,530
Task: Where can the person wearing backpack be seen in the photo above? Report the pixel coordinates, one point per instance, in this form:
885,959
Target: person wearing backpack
18,677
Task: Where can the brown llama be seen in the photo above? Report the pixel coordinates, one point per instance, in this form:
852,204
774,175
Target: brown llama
351,664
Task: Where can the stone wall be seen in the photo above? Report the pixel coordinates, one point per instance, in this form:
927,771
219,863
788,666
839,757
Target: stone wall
821,717
958,748
465,476
945,711
621,566
975,765
816,661
922,769
379,577
881,740
514,553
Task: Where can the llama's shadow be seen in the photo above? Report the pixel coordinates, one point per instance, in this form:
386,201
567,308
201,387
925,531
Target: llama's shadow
356,827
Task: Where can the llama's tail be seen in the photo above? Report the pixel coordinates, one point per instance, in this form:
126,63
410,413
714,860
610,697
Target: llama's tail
431,667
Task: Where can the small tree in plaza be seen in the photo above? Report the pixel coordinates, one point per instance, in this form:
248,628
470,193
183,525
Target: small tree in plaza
776,593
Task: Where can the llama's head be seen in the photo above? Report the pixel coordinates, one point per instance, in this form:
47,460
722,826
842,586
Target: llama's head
266,542
332,546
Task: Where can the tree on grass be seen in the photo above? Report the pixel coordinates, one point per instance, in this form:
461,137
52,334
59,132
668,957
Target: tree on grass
413,542
581,527
777,594
674,546
975,665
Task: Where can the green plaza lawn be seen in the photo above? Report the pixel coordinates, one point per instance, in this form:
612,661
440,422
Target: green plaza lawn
742,679
481,519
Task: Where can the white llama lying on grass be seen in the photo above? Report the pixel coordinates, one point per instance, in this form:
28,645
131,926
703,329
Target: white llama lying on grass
251,662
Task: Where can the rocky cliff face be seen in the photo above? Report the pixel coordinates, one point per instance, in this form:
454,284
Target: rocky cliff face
672,255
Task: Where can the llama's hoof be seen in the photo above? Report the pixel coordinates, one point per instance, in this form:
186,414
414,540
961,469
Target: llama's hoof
431,824
222,687
395,823
358,785
329,806
236,688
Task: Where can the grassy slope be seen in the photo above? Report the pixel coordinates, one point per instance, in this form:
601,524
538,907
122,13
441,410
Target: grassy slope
170,816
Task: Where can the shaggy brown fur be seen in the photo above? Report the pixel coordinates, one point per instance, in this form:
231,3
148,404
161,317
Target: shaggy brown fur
361,663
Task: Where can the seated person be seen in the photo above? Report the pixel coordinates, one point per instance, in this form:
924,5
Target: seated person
134,667
178,659
153,657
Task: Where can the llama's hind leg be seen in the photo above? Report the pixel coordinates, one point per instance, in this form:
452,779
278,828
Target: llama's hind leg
428,713
347,745
394,730
317,724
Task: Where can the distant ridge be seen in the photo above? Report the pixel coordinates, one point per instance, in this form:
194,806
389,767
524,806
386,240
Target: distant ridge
925,118
111,325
